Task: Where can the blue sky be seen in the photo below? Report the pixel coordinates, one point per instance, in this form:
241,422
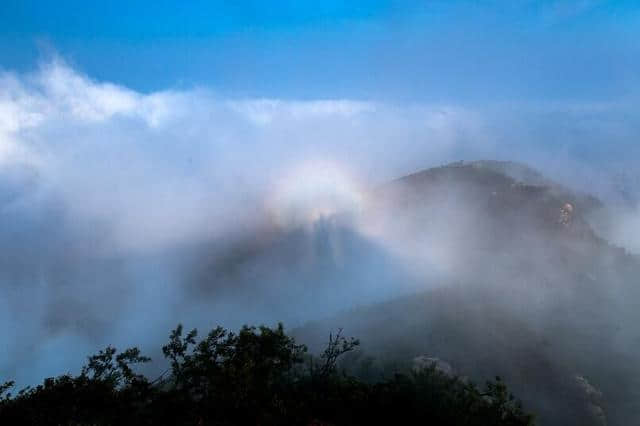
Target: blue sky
462,51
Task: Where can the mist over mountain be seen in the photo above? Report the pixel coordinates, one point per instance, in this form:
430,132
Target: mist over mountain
531,291
487,265
454,183
115,229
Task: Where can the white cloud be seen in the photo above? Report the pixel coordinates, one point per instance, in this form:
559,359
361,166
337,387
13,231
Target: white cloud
264,111
163,167
173,166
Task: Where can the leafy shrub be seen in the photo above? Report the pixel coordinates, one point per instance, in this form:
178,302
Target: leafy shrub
256,376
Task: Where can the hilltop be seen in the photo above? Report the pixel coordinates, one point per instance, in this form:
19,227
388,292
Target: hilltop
529,290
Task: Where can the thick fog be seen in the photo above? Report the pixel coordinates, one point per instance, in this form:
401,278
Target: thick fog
124,213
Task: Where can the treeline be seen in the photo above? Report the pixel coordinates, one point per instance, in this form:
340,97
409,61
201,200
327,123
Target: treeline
258,376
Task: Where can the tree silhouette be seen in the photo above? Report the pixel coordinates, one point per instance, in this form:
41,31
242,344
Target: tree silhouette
255,376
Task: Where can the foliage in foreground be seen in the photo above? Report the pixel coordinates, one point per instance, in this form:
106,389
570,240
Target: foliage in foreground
258,376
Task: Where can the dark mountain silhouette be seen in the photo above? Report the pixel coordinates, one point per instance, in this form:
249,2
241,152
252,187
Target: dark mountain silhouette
531,291
489,266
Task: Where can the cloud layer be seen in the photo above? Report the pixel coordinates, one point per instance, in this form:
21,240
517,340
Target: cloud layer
99,182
